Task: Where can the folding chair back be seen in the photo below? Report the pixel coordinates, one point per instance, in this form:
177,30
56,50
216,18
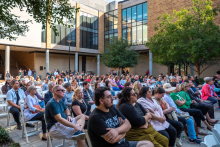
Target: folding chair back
216,132
24,130
88,139
209,141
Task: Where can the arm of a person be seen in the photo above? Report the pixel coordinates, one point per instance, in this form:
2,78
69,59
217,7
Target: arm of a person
186,97
65,101
167,106
13,104
206,91
39,97
63,121
30,105
117,139
180,103
67,112
155,117
77,111
132,116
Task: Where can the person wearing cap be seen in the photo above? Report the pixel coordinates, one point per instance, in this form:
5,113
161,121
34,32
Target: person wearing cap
7,86
190,123
183,105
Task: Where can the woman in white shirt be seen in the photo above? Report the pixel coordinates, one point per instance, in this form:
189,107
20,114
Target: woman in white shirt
33,111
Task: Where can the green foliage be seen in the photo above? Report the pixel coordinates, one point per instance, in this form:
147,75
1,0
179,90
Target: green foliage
188,36
4,137
43,11
119,54
201,81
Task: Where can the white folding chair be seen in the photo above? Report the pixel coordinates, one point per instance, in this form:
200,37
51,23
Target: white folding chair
210,141
49,141
9,122
24,130
216,132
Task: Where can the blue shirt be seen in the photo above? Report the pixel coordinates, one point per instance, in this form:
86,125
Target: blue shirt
53,108
171,103
11,96
211,90
45,87
123,82
158,83
67,99
29,73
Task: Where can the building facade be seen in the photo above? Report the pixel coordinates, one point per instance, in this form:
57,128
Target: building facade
96,23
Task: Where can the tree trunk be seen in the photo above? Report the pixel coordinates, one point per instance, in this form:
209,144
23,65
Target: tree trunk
198,69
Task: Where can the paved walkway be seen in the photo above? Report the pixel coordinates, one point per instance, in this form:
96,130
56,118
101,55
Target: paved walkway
34,141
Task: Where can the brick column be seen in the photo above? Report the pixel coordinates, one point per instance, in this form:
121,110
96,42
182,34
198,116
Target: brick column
78,28
119,21
101,41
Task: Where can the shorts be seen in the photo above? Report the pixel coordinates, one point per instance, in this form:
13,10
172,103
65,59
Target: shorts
59,131
132,143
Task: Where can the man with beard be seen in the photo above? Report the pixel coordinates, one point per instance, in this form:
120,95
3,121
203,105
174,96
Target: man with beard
107,126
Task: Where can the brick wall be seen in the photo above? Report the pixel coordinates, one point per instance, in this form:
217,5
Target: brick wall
157,7
101,41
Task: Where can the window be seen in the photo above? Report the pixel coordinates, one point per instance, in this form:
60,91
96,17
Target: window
111,24
89,30
134,24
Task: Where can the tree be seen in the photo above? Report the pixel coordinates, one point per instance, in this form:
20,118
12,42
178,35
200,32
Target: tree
119,54
189,36
42,11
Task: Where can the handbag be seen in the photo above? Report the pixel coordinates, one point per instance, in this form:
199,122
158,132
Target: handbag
185,115
36,106
172,115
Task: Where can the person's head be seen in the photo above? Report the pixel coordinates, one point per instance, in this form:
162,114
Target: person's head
179,78
58,91
38,78
32,89
105,79
159,93
177,89
46,80
116,78
8,81
28,84
98,79
128,84
15,84
140,77
128,79
74,82
127,95
78,94
103,97
86,85
184,87
67,86
164,78
145,76
108,84
159,78
151,77
97,85
60,81
132,76
208,80
168,88
185,78
145,92
192,78
136,77
173,80
137,85
51,86
215,78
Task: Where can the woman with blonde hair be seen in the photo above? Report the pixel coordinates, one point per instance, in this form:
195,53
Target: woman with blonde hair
128,79
137,86
80,106
185,78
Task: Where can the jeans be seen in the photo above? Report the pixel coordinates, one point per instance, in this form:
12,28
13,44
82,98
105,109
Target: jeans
115,89
170,133
212,99
197,114
190,128
16,114
40,116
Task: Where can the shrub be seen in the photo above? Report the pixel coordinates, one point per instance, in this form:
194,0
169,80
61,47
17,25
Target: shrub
4,137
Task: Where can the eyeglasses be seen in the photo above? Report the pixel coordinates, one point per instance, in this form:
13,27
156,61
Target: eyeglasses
150,91
110,96
133,94
34,89
62,90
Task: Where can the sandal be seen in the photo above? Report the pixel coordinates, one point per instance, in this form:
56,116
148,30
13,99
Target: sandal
202,133
209,129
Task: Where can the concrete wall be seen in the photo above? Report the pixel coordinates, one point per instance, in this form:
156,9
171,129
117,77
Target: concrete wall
91,64
143,66
97,4
57,61
32,37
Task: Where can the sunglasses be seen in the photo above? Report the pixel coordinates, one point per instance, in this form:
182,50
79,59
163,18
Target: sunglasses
133,94
62,90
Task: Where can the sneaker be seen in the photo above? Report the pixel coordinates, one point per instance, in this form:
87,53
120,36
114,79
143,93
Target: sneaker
19,126
30,125
198,138
79,135
195,141
178,142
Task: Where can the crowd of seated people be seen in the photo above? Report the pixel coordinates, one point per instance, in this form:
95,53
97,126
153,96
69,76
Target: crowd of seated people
159,110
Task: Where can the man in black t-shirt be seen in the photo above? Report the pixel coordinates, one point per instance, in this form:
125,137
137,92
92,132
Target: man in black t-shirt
107,126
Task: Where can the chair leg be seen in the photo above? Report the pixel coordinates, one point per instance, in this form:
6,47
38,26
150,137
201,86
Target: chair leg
63,140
